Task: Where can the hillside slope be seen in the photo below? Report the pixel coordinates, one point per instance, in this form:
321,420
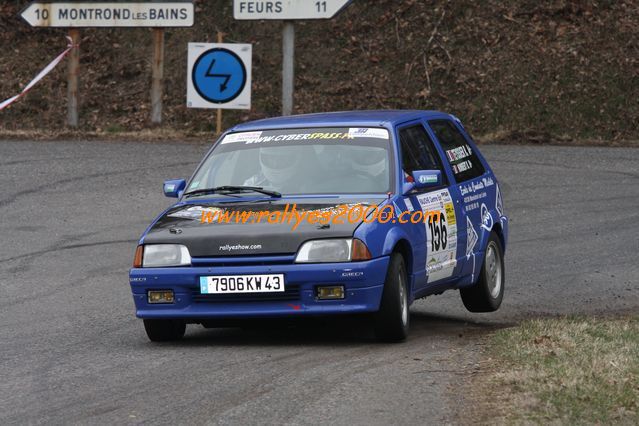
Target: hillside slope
553,69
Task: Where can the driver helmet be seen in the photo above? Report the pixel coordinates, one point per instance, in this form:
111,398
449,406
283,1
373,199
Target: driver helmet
369,161
279,164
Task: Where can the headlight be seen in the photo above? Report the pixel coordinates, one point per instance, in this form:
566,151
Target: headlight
157,255
323,251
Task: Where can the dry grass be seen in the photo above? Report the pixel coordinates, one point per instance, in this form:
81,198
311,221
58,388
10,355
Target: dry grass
562,371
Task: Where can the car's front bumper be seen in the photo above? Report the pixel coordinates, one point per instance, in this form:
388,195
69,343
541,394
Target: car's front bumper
363,283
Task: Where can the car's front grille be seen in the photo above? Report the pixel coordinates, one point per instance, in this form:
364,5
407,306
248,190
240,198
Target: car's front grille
292,293
222,261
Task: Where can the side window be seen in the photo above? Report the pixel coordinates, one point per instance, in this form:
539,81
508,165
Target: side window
418,152
460,156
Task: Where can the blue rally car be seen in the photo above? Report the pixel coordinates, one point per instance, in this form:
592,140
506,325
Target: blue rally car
188,270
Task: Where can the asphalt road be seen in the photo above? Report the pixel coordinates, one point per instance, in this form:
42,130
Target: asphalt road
73,352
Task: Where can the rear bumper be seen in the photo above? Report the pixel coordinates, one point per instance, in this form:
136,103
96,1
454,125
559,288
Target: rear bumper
363,282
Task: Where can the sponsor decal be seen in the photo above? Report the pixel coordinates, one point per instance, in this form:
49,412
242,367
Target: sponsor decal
258,137
235,247
476,186
486,218
441,234
368,132
450,214
459,153
241,137
409,204
462,167
427,179
471,237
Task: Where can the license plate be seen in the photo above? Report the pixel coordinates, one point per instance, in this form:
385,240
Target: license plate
225,284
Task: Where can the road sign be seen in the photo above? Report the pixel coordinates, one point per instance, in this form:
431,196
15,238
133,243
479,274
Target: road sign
219,76
109,14
287,9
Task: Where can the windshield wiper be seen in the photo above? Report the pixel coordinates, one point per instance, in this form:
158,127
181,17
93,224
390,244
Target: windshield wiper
234,189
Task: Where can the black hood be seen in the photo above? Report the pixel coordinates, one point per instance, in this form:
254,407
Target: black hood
182,224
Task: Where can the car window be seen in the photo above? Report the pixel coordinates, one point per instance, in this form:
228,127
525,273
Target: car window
301,161
460,155
418,151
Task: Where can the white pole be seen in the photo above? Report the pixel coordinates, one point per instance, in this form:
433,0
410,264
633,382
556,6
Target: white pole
288,67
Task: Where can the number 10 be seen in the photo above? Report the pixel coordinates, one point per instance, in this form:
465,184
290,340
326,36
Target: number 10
42,14
321,6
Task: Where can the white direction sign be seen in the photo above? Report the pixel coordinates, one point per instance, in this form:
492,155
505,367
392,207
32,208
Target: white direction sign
219,76
287,9
109,14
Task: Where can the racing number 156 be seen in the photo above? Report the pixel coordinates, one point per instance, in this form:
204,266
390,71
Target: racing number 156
438,233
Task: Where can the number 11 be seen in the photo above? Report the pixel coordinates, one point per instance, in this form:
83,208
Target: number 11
321,6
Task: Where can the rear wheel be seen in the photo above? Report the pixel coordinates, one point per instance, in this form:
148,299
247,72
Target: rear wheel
392,320
164,330
487,293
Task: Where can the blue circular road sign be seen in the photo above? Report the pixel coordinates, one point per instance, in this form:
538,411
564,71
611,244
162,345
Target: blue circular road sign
219,75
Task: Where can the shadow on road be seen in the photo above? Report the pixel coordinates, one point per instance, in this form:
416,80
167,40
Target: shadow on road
344,331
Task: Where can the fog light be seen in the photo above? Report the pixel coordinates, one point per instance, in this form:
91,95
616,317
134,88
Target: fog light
330,292
160,296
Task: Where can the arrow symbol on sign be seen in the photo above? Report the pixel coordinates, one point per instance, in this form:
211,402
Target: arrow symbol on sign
226,77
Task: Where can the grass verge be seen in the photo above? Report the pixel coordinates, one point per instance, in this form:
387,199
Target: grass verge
566,371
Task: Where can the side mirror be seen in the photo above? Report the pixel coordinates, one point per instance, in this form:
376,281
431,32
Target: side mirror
423,179
173,188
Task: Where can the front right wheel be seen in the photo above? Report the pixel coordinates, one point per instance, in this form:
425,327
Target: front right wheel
392,320
487,293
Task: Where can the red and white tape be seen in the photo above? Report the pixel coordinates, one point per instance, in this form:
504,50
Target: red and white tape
40,76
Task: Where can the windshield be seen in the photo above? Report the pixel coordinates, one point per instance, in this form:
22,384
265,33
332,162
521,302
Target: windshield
301,161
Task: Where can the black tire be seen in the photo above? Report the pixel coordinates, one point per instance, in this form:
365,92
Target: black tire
392,320
164,330
484,296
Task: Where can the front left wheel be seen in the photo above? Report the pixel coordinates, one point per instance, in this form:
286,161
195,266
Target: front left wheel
164,330
392,320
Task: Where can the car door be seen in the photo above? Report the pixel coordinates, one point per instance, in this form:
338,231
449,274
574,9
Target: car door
465,187
440,254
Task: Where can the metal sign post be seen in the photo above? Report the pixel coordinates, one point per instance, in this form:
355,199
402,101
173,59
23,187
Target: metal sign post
288,67
218,127
288,11
157,75
73,77
85,14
